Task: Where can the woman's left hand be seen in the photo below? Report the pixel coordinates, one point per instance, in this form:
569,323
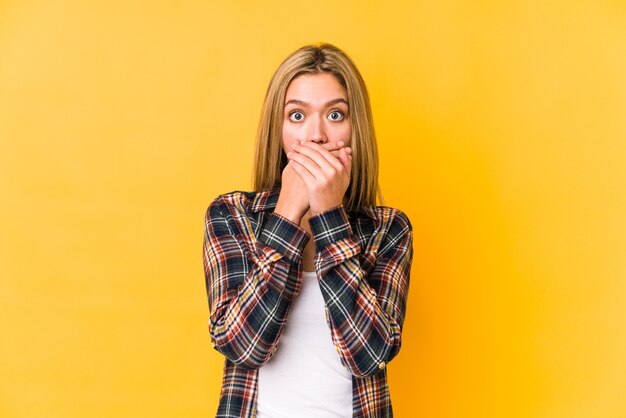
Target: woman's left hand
326,177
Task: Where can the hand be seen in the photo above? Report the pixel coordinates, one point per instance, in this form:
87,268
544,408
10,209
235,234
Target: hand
325,176
293,200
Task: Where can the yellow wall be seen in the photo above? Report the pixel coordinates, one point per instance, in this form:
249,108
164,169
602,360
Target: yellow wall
502,132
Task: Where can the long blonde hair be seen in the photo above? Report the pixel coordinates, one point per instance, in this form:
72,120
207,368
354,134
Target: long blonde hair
270,159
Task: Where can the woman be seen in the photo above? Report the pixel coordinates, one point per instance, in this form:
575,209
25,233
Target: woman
307,279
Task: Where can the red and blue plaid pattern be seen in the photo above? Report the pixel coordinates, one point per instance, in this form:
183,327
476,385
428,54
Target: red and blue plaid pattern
253,269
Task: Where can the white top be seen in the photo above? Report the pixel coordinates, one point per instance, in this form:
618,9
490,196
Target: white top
305,377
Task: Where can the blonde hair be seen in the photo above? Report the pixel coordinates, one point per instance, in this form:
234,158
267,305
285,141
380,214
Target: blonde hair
270,159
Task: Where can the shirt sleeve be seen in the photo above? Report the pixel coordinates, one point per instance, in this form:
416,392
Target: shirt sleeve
366,310
250,284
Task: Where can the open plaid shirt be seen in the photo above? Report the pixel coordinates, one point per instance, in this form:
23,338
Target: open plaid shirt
253,265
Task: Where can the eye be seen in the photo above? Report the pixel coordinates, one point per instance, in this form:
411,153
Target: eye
335,115
296,116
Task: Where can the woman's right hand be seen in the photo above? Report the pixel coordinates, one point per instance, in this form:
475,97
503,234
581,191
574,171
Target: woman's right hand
293,201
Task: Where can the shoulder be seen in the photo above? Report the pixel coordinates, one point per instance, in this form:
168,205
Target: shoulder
234,198
395,230
393,217
231,203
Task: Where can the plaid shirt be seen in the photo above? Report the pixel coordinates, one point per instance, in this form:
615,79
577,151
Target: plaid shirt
253,270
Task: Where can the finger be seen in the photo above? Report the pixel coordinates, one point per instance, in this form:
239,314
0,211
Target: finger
332,146
304,174
328,164
332,149
336,152
324,158
309,164
348,167
343,156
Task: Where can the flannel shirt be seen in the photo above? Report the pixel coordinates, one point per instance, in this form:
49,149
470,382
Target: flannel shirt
253,264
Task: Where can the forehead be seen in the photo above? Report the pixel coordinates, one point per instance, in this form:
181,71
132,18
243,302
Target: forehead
315,87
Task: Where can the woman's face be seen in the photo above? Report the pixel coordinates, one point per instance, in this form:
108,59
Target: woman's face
316,109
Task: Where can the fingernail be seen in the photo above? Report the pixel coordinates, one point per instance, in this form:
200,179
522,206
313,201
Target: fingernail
340,143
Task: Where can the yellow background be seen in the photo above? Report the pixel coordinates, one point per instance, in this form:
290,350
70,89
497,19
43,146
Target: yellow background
502,133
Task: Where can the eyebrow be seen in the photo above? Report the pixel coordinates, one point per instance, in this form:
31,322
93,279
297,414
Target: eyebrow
332,102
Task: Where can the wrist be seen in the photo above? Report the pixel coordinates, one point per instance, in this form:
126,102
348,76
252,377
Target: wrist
324,207
291,213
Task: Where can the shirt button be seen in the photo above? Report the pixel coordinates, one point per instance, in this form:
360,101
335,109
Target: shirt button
381,365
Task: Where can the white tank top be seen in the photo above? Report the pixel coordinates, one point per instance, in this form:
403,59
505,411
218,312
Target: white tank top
305,377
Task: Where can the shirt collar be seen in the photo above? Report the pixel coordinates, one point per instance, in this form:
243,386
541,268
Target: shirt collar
267,199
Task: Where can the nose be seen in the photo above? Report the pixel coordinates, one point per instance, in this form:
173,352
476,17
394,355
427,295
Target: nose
316,132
